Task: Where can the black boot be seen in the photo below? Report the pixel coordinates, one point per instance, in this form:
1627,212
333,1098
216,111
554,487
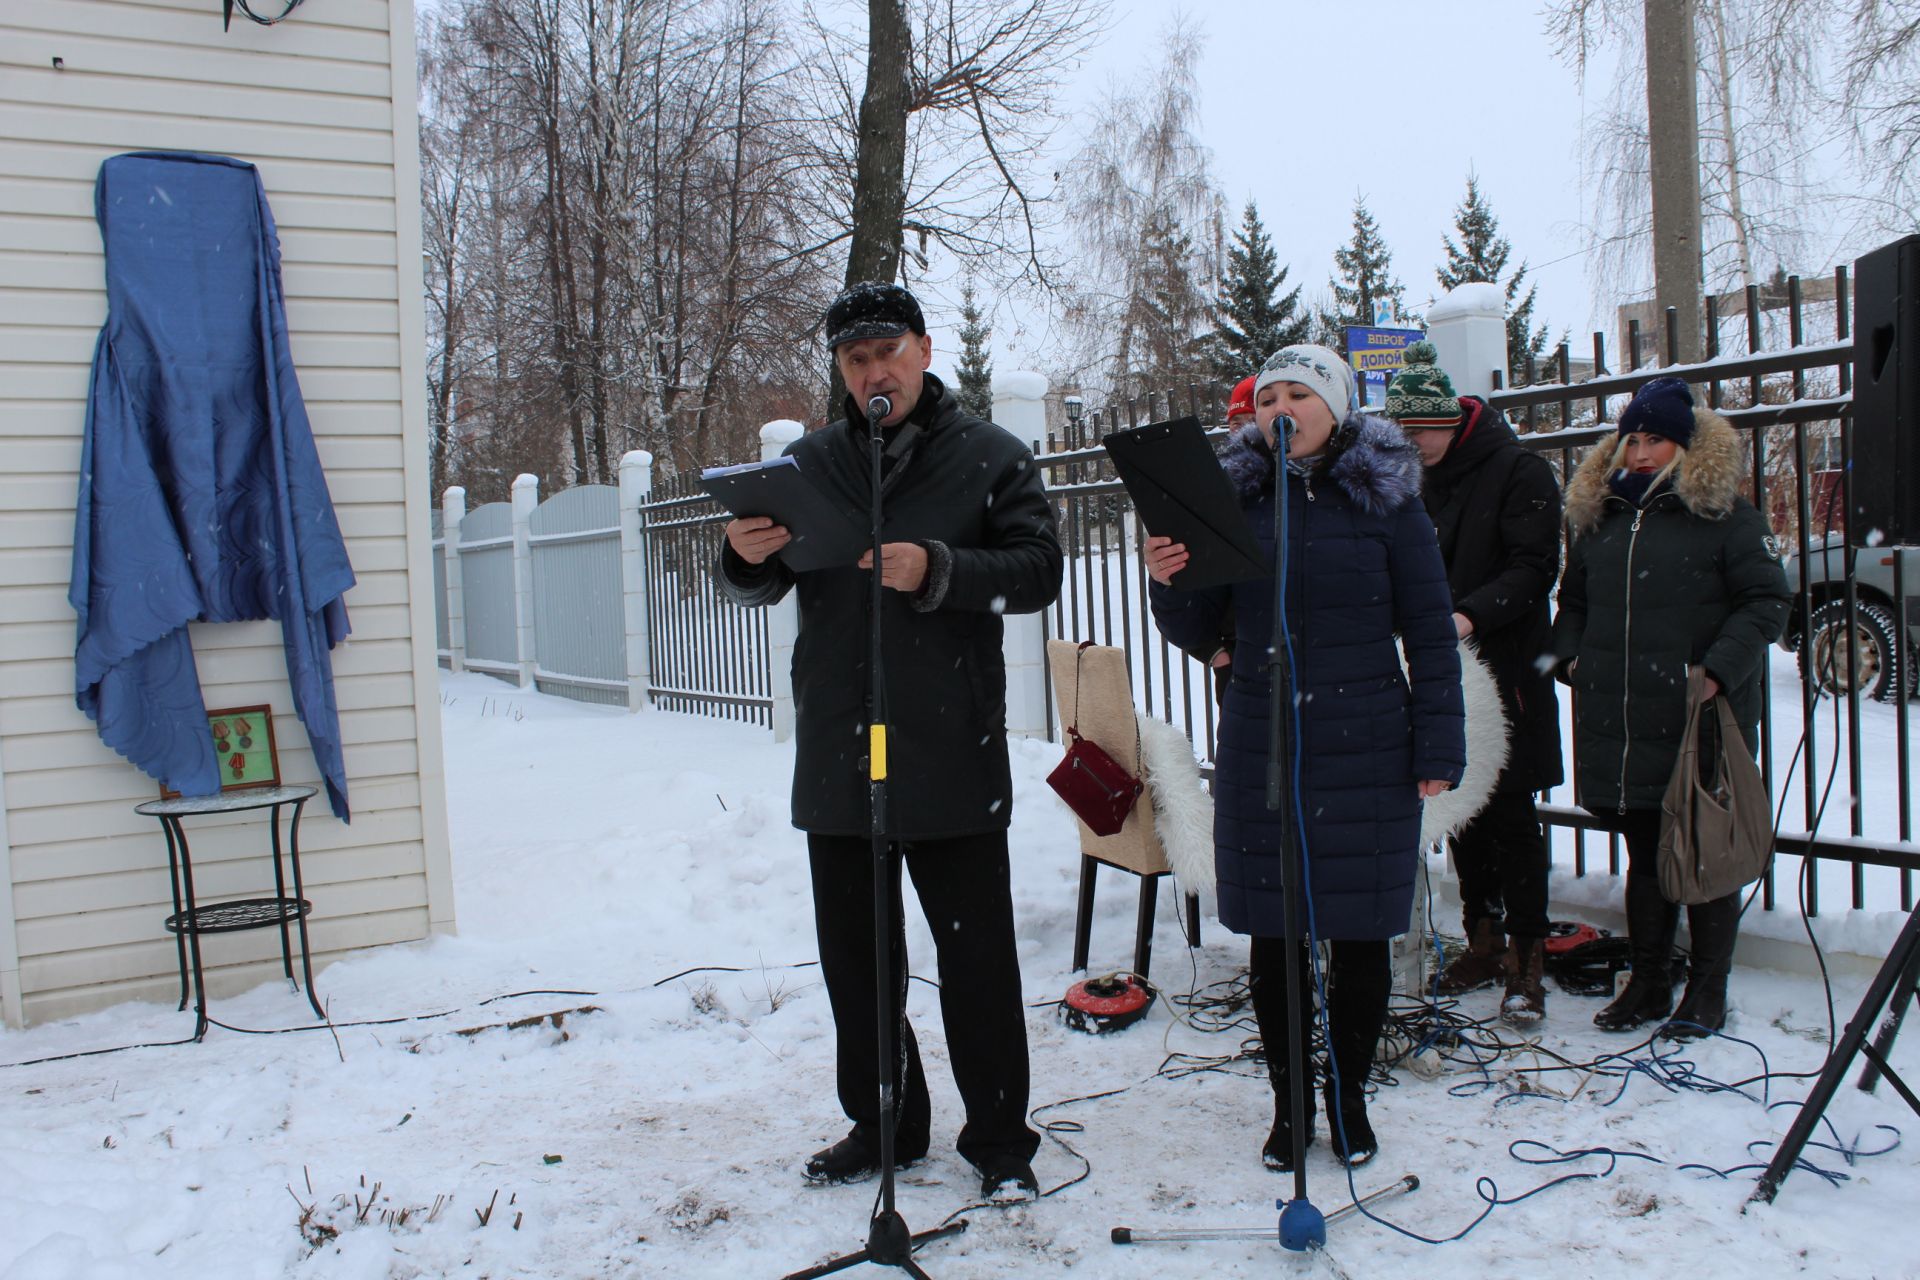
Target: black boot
1651,921
1277,1153
1361,981
851,1160
1268,980
1715,927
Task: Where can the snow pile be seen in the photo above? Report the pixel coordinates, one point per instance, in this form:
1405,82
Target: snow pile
643,1120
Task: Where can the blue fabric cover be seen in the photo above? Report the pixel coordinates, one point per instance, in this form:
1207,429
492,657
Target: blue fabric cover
1363,569
201,494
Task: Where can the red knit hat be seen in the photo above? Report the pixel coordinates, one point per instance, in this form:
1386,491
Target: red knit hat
1242,401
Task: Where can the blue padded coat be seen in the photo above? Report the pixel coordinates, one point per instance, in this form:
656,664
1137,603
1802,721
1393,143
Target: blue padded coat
1363,569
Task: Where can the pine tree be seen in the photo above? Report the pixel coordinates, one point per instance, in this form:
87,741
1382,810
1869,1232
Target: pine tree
975,392
1167,313
1252,319
1365,277
1481,255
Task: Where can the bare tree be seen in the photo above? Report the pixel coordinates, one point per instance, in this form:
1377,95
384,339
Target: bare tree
956,106
612,262
1758,76
1148,217
635,208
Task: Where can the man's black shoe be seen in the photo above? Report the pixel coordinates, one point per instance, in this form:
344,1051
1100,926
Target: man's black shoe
1008,1178
849,1160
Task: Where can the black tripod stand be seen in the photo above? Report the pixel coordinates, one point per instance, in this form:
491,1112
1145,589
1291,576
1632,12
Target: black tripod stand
889,1242
1301,1225
1893,989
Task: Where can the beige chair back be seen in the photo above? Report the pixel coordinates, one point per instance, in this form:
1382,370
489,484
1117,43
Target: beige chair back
1102,707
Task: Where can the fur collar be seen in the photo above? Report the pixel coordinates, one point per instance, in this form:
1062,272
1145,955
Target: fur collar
1377,467
1183,810
1707,481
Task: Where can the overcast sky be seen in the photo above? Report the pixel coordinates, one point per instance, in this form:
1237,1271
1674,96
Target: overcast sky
1306,105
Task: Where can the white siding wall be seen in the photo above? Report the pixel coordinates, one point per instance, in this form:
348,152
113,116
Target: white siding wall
324,104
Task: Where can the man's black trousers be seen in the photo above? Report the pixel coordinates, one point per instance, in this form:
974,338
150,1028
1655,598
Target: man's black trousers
964,892
1502,859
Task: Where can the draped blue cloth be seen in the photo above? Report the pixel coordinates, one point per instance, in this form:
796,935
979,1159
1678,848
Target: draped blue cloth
201,493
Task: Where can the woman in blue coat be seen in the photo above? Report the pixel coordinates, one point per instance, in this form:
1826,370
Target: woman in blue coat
1364,576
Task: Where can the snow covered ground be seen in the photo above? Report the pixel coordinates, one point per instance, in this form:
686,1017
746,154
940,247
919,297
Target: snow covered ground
599,856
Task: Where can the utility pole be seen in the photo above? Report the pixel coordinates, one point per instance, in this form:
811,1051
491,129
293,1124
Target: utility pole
1673,143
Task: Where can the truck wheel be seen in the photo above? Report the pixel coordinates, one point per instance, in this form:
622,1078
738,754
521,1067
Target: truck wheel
1881,664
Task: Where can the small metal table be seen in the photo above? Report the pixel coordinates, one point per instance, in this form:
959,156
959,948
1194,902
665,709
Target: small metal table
189,920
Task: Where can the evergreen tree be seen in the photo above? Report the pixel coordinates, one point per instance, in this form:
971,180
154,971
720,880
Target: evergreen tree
1252,319
1167,313
1481,255
1365,277
975,392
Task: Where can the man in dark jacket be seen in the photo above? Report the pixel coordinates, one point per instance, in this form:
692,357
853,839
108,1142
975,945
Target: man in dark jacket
969,536
1496,508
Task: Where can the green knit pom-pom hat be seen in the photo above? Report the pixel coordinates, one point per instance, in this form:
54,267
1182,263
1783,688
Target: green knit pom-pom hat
1421,395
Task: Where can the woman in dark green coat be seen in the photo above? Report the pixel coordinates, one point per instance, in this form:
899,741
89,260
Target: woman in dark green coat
1669,568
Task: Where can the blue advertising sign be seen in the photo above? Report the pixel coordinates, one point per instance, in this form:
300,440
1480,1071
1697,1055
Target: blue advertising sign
1379,350
1375,353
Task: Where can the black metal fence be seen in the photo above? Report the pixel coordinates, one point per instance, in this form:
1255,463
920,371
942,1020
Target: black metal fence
1104,595
1791,398
1792,402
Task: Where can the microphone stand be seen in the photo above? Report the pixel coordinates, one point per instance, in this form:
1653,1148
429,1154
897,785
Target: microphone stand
1302,1226
889,1241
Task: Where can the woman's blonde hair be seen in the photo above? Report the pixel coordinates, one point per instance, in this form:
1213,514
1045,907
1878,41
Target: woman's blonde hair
1661,476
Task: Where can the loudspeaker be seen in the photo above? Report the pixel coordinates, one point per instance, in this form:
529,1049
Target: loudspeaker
1885,475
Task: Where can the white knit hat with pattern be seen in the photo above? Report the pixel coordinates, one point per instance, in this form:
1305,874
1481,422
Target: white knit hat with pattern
1316,368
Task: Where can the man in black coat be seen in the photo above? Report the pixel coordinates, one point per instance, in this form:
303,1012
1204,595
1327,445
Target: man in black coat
968,537
1496,508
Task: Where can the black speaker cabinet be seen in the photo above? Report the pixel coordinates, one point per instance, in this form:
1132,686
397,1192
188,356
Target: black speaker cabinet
1885,507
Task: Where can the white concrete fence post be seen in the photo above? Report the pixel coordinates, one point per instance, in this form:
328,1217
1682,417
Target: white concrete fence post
453,510
526,497
783,619
1468,329
1019,405
636,484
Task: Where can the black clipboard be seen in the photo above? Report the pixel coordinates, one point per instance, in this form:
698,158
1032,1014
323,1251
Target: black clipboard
1180,491
826,535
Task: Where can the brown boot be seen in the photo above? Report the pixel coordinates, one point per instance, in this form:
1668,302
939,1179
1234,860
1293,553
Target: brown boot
1526,1001
1480,965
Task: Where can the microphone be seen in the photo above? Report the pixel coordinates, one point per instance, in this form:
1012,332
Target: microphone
878,408
1286,426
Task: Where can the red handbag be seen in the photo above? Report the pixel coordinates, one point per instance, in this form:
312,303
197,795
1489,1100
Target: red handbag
1095,786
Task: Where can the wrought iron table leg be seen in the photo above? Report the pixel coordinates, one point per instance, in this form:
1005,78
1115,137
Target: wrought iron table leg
179,935
193,932
300,894
280,891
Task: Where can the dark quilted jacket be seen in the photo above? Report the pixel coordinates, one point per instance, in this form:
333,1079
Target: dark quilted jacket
1362,569
969,490
1496,510
1694,577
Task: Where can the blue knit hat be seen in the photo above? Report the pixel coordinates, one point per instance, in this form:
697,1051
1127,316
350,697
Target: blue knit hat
1664,407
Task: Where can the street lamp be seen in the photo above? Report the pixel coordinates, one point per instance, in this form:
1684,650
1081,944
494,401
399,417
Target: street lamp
1075,406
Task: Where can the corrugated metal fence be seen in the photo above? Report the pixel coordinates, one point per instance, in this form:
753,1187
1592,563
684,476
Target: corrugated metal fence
602,594
579,631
